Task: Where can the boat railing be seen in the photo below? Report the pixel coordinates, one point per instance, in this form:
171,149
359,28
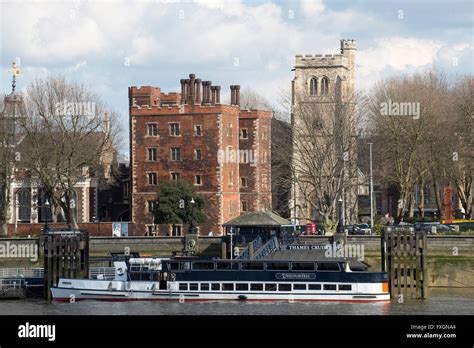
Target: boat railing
13,283
269,247
256,244
287,239
21,273
107,273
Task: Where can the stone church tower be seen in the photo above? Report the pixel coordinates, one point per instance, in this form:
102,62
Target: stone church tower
326,83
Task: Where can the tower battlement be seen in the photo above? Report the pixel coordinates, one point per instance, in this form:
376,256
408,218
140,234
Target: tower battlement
348,44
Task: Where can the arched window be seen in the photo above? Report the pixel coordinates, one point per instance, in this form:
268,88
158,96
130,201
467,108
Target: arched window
324,85
24,205
313,86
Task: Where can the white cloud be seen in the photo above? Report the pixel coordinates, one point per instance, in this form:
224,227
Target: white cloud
394,55
91,42
312,7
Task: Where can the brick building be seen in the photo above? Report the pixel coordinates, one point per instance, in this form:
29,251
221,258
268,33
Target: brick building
192,136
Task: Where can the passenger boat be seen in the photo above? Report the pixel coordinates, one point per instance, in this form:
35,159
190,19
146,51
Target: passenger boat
196,279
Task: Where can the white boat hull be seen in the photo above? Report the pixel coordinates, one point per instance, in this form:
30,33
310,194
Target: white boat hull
71,290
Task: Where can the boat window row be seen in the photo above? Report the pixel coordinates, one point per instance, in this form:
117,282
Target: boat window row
262,287
253,266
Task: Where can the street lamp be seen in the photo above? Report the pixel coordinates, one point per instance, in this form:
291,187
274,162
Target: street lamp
47,205
371,190
340,223
231,233
191,223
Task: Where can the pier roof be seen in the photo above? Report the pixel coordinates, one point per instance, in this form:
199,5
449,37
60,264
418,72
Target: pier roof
258,218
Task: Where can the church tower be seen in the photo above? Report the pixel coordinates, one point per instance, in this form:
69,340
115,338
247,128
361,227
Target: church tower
324,89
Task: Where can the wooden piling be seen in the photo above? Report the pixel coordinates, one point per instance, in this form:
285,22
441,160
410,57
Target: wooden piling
66,255
404,259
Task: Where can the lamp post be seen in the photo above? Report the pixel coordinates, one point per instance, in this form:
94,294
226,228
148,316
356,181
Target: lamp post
371,190
231,233
340,222
47,204
191,222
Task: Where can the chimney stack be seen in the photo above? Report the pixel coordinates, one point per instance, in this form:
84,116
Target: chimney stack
186,92
192,87
213,95
218,94
183,91
198,91
235,95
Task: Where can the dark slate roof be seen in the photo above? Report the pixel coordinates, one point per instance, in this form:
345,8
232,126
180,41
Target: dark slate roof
258,218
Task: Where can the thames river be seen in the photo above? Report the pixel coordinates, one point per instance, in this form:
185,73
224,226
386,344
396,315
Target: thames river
441,301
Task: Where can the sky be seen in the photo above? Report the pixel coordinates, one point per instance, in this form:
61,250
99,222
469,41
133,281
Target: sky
111,45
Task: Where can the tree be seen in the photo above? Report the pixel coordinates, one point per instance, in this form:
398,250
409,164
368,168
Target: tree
462,149
178,203
405,115
70,136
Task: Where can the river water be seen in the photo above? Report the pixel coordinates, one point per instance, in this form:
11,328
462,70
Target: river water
441,301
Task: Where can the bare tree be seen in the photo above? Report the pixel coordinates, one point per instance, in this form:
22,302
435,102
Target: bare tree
462,136
70,136
405,114
249,99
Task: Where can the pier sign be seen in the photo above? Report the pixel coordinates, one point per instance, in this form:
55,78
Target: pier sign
306,247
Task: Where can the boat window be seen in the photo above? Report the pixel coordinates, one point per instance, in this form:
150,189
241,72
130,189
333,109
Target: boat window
252,266
328,266
302,266
203,266
299,286
270,287
193,286
347,287
205,287
228,287
179,266
278,266
256,287
329,287
174,266
241,286
215,287
314,286
284,287
183,286
227,266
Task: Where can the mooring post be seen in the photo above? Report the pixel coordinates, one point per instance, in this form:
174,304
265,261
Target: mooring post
424,265
405,261
224,250
66,255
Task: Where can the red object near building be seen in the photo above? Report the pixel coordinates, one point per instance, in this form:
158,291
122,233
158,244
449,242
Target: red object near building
310,229
448,204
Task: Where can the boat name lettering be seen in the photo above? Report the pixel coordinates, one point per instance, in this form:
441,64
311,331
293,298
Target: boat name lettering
295,276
